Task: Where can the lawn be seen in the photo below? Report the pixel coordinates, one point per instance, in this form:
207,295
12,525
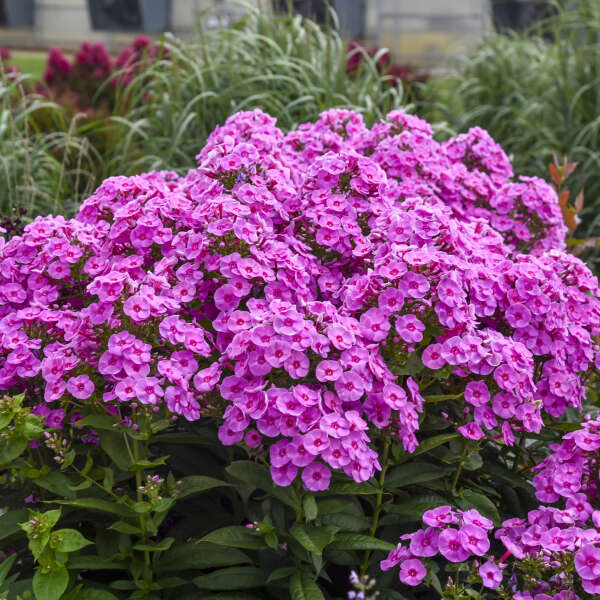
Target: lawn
31,63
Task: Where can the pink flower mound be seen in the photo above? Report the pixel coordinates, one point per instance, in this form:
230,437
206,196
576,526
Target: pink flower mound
562,542
283,285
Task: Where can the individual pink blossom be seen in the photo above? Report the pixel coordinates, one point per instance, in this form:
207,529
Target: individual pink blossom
412,572
409,328
451,546
316,477
80,387
490,574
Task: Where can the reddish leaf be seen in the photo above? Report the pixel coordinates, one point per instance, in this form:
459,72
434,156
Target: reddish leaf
579,202
564,198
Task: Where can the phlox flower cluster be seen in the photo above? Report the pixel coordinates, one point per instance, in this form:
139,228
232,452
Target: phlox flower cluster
453,534
563,539
284,285
567,523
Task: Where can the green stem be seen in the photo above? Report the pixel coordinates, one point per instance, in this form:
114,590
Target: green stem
138,484
94,482
460,467
378,503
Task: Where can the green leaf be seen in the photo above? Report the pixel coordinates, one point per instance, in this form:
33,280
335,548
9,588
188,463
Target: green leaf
98,504
9,522
200,555
314,539
52,516
233,578
413,473
281,573
125,528
229,596
57,483
98,422
302,587
109,479
12,448
89,463
502,473
68,540
251,473
357,541
155,546
5,568
52,584
483,504
473,462
142,465
287,495
433,442
415,507
196,484
309,505
351,488
443,397
346,522
114,445
93,562
95,594
235,536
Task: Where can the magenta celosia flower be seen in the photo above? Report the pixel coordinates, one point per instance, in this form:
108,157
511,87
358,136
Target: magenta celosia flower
80,387
316,477
490,574
412,572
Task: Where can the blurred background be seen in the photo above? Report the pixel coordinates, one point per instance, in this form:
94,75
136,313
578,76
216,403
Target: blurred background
427,32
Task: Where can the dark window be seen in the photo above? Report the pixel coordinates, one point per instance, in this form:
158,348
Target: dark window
519,15
116,15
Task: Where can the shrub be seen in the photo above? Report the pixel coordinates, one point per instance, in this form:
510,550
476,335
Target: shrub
301,327
536,97
289,67
41,170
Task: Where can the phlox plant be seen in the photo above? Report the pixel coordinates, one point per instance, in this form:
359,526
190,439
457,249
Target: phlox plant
323,301
556,548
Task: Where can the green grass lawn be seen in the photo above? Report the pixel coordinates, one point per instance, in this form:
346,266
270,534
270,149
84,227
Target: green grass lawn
30,63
